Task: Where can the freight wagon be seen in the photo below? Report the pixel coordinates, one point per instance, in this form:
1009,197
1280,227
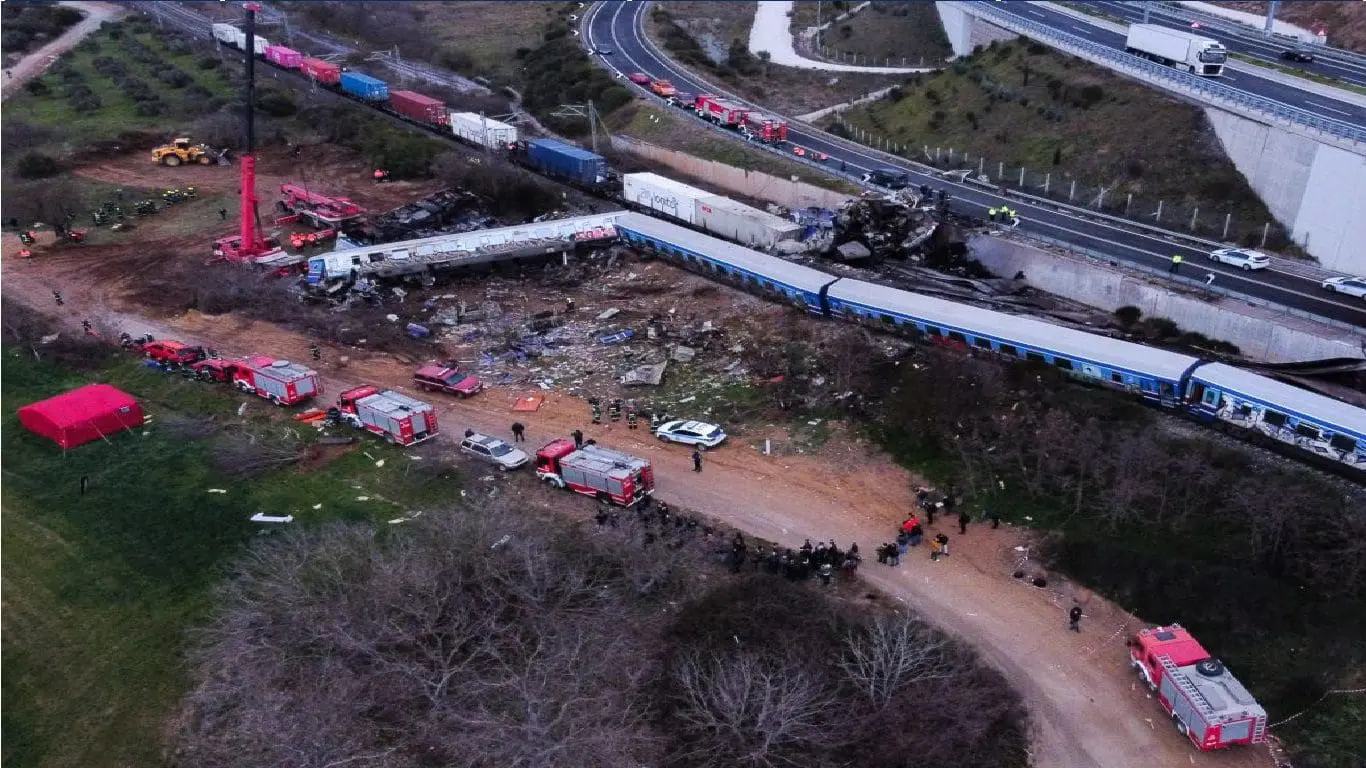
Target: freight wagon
416,106
324,72
662,195
555,158
227,34
481,131
710,213
399,419
281,56
364,87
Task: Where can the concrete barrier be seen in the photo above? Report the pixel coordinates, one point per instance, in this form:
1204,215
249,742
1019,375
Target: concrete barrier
755,184
1262,334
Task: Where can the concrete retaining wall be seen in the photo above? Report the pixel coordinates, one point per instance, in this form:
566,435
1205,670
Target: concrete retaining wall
1313,189
761,186
1261,334
965,31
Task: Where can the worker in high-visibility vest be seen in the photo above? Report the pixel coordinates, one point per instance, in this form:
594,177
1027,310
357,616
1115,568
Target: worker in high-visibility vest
1176,263
993,212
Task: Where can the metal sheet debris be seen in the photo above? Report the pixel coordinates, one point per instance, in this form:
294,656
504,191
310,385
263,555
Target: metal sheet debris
645,375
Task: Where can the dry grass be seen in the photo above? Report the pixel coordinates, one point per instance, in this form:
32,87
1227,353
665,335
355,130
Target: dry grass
894,34
715,26
1344,22
489,32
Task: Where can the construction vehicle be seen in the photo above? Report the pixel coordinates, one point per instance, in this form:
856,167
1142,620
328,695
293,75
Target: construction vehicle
317,209
279,381
248,243
399,419
604,474
181,151
1206,703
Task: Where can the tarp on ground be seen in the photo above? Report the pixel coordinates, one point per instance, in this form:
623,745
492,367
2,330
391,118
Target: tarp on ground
82,415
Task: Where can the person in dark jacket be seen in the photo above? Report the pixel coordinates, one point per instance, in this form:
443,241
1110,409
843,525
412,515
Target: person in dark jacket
1074,618
518,432
963,519
696,460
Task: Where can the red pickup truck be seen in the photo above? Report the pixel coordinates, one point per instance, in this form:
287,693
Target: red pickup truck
447,377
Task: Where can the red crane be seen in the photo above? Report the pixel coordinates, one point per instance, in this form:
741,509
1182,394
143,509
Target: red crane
249,242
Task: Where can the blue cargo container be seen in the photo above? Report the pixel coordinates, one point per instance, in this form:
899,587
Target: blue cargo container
364,87
560,159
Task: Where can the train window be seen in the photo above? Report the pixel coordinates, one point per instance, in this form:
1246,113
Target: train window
1244,411
888,319
1308,430
1117,378
930,330
1009,349
956,336
1063,363
1343,443
1274,418
1035,357
982,342
753,281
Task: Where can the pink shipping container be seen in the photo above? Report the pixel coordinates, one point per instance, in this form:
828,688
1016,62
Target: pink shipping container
419,107
281,56
323,72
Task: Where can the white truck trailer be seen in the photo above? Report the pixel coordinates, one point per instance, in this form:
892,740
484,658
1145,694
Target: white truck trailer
1175,48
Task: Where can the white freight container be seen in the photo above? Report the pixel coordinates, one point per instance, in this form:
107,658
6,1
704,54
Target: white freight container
740,223
477,129
1176,48
663,195
227,34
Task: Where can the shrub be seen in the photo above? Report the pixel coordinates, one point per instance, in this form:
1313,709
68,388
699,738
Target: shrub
37,88
174,78
207,62
276,104
35,165
1161,327
932,96
87,104
1128,314
456,58
150,108
1091,95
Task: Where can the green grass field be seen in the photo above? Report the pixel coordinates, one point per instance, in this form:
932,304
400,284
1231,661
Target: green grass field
101,589
118,112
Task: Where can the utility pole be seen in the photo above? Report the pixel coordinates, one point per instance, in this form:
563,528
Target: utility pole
1271,16
1146,10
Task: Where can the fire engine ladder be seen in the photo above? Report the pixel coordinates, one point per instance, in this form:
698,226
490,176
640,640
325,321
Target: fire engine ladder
1259,730
1181,681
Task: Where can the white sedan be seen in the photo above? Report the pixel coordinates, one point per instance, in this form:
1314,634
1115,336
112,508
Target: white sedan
1352,286
1241,257
698,433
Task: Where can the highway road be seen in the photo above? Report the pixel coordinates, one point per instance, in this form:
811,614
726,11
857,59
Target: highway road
618,27
1249,42
1289,95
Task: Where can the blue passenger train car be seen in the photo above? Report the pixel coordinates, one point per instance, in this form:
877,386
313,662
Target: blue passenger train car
727,261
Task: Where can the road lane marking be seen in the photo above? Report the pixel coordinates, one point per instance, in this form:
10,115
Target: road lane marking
1330,109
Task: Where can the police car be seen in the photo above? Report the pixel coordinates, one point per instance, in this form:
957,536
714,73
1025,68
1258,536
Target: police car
1243,258
698,433
1352,286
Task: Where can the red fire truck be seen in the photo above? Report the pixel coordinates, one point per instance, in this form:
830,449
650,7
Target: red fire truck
279,381
397,418
720,111
1206,703
604,474
765,128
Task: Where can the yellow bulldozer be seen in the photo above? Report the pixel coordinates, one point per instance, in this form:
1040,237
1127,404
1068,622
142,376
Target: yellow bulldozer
182,151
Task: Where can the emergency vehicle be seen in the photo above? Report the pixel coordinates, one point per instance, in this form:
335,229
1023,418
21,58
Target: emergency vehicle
764,128
448,378
397,418
279,381
169,351
1206,703
720,111
604,474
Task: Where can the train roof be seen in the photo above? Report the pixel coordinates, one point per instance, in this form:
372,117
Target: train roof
1023,331
1320,409
794,275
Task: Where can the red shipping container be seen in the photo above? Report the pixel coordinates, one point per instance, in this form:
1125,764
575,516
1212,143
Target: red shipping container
419,107
281,56
322,71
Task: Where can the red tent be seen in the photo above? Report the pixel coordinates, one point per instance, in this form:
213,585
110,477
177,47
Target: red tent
81,415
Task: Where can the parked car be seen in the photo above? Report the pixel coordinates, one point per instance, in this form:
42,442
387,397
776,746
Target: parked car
173,352
1352,286
663,88
1298,54
639,78
698,433
1244,258
447,377
494,451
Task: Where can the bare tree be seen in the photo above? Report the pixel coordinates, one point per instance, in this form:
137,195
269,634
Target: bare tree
894,652
751,710
246,454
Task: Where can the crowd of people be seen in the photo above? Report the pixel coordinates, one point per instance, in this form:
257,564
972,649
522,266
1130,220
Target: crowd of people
912,531
822,561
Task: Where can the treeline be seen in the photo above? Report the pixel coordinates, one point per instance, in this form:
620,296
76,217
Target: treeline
1264,560
28,26
496,637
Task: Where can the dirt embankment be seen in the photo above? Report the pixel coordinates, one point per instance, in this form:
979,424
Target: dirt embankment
1345,23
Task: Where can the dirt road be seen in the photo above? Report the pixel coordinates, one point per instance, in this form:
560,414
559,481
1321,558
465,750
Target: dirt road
37,62
1087,710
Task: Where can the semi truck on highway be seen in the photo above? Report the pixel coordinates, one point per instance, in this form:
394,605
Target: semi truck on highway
1174,48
